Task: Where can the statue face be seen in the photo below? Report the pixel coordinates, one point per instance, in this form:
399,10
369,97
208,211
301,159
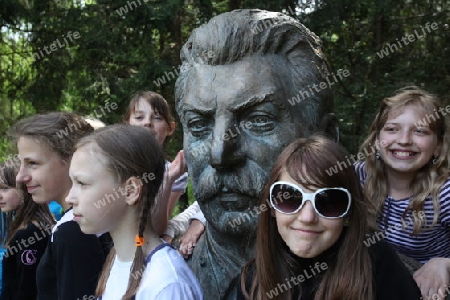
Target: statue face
236,120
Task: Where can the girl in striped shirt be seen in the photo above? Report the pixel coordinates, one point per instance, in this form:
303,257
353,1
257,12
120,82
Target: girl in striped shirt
407,178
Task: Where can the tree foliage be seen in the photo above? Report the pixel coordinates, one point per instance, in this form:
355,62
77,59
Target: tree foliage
129,45
354,36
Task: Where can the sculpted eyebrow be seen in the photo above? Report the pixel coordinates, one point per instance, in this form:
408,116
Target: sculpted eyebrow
189,108
268,98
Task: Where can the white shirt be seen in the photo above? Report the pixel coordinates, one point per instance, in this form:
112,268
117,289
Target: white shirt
167,276
179,224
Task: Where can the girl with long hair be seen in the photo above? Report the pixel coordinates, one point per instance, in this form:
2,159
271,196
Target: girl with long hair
28,227
150,110
311,234
140,265
406,176
72,262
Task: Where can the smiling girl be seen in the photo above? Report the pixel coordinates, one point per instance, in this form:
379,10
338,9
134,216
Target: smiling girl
310,240
28,228
408,181
73,260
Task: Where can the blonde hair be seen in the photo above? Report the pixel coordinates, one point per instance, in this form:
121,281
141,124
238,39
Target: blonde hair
430,178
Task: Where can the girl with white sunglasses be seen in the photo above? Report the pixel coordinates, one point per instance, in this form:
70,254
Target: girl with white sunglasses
310,242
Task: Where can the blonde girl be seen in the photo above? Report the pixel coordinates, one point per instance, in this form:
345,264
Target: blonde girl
407,179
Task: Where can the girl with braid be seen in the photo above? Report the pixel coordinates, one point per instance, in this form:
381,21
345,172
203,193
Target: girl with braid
151,111
114,189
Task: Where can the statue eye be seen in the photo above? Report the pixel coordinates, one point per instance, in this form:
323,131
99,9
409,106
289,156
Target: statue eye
198,125
260,122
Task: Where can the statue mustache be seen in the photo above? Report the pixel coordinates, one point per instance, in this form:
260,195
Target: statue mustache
249,181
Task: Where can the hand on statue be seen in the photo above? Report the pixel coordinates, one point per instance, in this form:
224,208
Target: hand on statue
190,238
177,167
433,278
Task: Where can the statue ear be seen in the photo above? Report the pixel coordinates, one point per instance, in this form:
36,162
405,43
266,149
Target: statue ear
330,125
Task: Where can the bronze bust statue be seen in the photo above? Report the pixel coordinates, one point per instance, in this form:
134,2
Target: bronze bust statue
244,92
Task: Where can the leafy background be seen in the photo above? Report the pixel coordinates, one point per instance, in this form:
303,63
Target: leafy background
117,55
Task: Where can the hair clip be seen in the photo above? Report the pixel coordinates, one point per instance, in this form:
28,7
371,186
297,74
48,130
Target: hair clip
139,241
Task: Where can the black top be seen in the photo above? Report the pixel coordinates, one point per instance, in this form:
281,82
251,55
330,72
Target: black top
20,262
392,281
72,263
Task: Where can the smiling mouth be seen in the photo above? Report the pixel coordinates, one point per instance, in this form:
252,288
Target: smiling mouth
31,188
404,153
307,232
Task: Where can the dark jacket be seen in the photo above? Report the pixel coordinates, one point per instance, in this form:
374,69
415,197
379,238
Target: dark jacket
72,264
391,280
20,262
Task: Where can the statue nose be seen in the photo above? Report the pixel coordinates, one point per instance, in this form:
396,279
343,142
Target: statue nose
225,154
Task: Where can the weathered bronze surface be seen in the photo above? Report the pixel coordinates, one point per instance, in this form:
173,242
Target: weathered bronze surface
244,92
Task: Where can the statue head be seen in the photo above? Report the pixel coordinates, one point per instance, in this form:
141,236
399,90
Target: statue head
248,86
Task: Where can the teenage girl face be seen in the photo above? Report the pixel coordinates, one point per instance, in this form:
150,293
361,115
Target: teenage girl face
98,200
407,147
144,115
43,171
306,233
10,198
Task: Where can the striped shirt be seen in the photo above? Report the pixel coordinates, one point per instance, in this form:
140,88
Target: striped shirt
429,243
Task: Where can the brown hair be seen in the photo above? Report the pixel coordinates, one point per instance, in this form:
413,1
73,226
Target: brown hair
306,161
144,157
29,211
59,130
430,178
158,104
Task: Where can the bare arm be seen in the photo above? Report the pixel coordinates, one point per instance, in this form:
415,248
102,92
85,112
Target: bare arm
165,201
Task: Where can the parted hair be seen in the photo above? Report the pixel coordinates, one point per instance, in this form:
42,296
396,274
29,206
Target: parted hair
349,277
231,36
157,102
58,130
430,178
130,151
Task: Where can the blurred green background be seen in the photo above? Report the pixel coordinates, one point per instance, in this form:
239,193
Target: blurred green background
130,45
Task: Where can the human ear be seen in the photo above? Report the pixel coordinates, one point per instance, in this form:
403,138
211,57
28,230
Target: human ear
438,150
172,126
133,188
377,144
